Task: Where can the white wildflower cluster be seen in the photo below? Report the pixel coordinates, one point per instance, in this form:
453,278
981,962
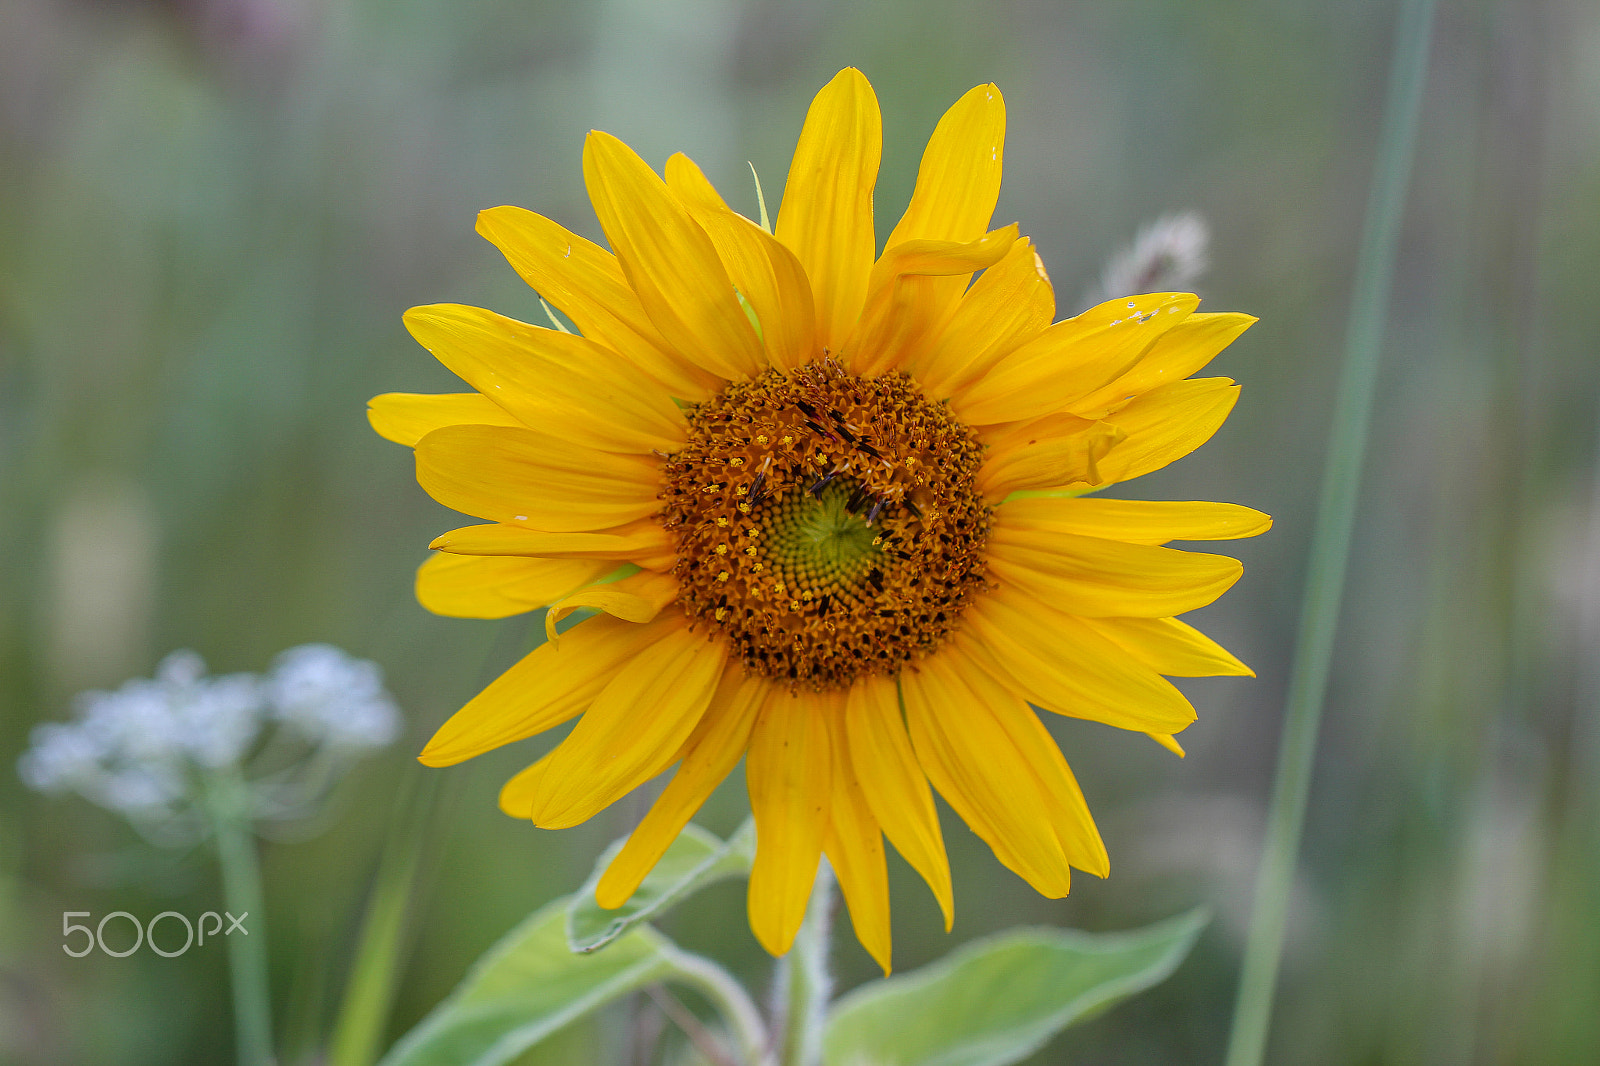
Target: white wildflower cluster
1168,255
145,749
330,698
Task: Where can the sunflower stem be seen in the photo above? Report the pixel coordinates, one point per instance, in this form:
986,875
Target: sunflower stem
806,981
1330,548
228,805
730,1000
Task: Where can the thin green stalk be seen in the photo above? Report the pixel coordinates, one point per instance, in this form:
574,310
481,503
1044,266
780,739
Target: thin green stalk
375,972
807,981
247,945
728,997
1330,547
401,887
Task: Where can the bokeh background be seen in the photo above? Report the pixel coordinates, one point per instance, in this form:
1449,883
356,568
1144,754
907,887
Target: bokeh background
212,213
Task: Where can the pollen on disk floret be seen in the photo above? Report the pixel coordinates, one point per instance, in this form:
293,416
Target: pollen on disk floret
827,525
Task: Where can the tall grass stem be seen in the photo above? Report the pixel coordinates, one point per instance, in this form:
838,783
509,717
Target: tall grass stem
1330,546
375,971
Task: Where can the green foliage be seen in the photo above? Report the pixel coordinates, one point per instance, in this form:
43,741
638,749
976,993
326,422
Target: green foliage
549,971
525,988
992,1002
696,859
998,1000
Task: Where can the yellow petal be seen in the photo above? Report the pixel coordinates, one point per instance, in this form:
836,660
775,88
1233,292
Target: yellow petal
1135,521
1054,452
1063,451
584,281
1010,304
957,186
711,753
789,774
516,795
937,258
1061,664
854,845
627,543
548,686
1071,359
1107,578
1166,741
959,179
524,478
634,729
467,586
826,214
407,417
669,261
900,799
907,302
1177,353
767,273
896,326
1166,424
636,598
1170,647
1064,803
976,768
560,383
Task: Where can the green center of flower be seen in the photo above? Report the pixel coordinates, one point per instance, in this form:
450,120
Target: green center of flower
820,542
827,525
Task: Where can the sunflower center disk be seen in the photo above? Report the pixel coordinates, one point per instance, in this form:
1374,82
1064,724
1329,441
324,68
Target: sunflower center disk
818,542
827,525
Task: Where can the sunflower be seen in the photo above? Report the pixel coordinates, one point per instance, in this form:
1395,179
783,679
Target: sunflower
827,508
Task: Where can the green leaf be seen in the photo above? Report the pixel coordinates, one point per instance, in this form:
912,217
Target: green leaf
693,861
525,988
998,1000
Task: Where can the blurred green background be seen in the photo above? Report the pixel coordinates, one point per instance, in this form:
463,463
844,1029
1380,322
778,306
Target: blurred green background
212,213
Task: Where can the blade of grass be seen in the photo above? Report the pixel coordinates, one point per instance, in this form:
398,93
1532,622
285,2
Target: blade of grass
1330,546
375,973
428,802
